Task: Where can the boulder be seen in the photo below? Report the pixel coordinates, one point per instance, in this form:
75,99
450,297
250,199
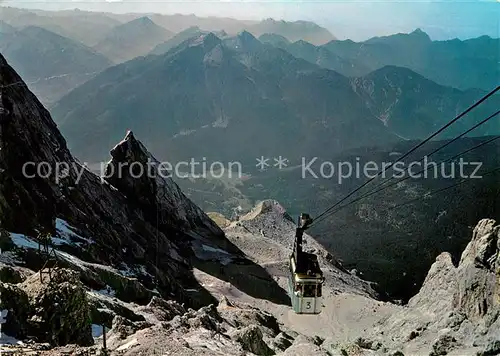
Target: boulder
225,303
243,317
14,309
13,274
60,313
103,309
163,310
251,339
282,341
123,328
482,251
493,348
443,344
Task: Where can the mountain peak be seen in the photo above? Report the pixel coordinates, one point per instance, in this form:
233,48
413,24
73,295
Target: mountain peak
191,29
243,41
265,207
128,137
210,39
420,34
303,43
273,38
206,40
393,72
144,21
294,30
132,39
246,38
271,21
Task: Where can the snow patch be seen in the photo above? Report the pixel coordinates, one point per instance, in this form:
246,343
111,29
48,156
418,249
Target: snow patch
184,133
133,272
128,345
22,241
96,331
67,234
58,242
144,272
205,252
108,291
3,314
72,259
212,249
5,339
126,271
9,340
221,122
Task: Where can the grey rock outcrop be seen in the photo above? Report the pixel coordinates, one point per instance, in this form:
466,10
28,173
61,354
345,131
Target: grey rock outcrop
460,303
136,173
49,308
59,308
251,339
13,274
14,310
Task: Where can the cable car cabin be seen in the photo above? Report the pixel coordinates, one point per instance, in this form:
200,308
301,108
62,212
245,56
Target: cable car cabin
305,288
306,278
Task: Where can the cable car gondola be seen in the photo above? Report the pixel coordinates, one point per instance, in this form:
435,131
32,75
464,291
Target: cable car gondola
306,278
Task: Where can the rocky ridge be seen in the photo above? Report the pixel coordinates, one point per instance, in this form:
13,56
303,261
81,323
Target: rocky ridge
457,310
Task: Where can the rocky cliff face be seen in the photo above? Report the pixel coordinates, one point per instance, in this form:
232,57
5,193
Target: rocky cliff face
458,307
143,228
153,190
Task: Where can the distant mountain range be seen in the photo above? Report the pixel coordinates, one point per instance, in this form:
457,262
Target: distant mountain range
246,98
132,39
293,31
241,97
91,27
319,55
460,64
81,26
52,65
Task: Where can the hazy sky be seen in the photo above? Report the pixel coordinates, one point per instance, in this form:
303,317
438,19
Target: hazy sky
345,19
